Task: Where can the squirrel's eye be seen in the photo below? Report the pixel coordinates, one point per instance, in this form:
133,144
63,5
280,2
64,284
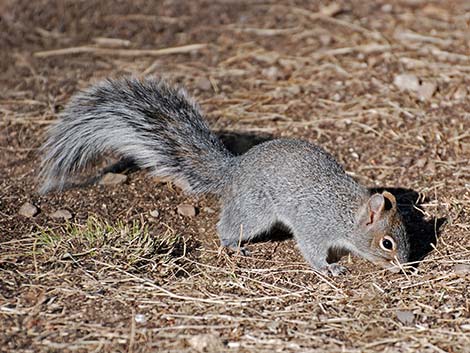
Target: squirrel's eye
387,243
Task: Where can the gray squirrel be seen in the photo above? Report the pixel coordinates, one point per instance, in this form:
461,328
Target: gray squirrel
286,181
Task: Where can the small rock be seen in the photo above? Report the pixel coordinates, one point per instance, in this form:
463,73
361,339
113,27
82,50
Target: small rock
233,345
405,317
206,343
387,8
434,11
208,210
420,163
113,179
154,213
160,180
293,90
61,214
331,9
336,97
325,39
187,210
465,327
272,73
430,167
426,90
462,268
203,83
28,210
460,93
279,93
291,65
406,82
140,318
282,92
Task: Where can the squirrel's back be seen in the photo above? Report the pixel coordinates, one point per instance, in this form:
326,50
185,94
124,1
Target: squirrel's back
288,168
147,121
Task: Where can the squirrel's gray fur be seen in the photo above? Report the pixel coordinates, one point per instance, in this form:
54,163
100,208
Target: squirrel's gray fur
291,182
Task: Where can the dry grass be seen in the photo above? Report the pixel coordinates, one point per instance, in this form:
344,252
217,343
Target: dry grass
116,279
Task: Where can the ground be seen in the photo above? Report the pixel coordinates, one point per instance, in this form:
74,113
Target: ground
383,86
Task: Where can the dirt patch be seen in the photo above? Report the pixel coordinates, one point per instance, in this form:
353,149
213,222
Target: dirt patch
121,277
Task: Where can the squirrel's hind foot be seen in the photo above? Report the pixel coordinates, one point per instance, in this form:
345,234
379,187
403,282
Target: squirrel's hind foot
236,247
239,250
334,269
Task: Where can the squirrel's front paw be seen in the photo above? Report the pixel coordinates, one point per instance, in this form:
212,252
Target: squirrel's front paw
336,269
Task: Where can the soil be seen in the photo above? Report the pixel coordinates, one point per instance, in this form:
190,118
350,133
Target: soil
117,278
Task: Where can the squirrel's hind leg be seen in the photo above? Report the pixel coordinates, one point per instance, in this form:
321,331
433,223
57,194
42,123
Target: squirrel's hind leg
240,223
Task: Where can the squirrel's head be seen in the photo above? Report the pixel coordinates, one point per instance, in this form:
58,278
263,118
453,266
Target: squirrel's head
383,238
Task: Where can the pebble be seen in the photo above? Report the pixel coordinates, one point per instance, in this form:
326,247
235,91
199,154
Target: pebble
140,318
462,268
405,317
460,93
294,90
113,179
272,73
426,90
387,8
155,213
420,163
61,214
186,210
206,343
28,210
331,9
208,210
286,92
203,83
406,82
325,39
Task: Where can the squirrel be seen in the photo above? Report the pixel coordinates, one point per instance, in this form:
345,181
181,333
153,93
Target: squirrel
283,181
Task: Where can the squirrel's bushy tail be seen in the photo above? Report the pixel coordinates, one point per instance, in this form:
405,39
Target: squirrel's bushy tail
156,126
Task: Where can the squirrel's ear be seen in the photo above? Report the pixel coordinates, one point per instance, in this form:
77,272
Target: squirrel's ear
375,208
390,200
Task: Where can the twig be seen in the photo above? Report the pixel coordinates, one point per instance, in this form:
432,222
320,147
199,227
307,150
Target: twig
119,52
